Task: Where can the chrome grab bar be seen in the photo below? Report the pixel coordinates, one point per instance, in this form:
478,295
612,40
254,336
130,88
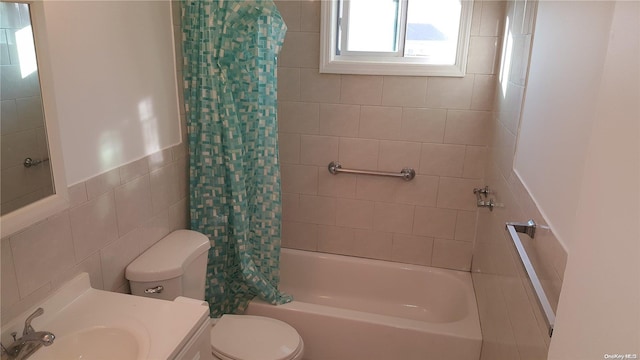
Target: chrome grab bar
406,173
529,228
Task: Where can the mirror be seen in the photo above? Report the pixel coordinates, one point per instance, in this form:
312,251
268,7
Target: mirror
32,184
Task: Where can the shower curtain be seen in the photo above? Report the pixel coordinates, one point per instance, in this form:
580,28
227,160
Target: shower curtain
230,51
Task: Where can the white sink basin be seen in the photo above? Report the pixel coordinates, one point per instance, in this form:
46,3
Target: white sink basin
91,324
98,343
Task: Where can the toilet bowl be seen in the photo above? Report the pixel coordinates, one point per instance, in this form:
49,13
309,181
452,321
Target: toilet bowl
176,266
249,337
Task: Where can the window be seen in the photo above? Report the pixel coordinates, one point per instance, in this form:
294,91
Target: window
395,37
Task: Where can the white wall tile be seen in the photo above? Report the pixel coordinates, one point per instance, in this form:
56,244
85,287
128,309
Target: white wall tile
133,170
179,215
91,265
318,150
300,179
159,159
396,155
425,125
102,183
482,55
404,90
116,256
310,16
288,84
379,122
300,49
298,117
335,240
492,18
372,244
484,87
165,189
93,225
465,226
297,235
77,194
317,210
442,159
450,93
457,193
133,204
358,153
422,190
316,87
452,254
474,162
354,213
434,222
339,185
361,89
467,127
412,249
339,120
396,218
290,206
155,229
289,148
26,302
42,252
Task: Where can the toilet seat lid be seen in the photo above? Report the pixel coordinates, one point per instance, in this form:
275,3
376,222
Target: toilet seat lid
250,337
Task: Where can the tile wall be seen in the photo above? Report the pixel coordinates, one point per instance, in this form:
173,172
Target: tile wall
513,326
22,129
439,126
113,217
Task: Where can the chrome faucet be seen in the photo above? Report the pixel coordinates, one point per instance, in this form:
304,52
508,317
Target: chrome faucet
30,341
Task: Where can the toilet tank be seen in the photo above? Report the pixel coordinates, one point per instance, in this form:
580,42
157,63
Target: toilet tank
174,266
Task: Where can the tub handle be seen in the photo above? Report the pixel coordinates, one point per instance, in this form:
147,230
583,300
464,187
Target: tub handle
154,290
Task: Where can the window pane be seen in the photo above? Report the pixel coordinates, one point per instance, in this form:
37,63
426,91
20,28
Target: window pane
373,25
432,30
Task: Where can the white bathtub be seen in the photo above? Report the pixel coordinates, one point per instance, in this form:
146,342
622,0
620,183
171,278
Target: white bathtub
349,308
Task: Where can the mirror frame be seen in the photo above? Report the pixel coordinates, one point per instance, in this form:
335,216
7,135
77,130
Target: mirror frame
28,215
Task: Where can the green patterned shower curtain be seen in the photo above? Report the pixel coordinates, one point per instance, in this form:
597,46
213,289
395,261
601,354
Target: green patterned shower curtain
230,50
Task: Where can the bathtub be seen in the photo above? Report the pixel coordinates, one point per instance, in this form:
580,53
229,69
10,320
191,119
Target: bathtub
348,308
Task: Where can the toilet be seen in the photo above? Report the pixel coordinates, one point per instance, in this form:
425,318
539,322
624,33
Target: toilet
176,266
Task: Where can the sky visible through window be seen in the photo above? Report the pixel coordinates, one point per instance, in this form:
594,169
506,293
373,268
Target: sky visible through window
431,31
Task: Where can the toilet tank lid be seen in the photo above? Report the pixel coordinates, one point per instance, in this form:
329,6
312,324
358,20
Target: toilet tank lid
167,258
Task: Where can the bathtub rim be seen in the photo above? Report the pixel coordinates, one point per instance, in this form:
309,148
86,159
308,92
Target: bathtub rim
465,328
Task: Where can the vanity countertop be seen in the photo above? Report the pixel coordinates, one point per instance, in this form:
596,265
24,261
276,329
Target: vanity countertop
160,328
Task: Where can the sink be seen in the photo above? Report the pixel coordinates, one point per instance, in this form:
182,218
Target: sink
96,343
92,324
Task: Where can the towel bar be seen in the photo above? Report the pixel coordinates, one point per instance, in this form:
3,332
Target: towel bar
529,228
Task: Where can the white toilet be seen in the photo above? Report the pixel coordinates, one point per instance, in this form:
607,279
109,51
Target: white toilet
176,266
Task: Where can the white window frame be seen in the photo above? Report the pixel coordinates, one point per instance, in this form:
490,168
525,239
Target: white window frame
387,63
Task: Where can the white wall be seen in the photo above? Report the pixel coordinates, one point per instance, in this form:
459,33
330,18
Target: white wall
114,77
569,47
599,310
